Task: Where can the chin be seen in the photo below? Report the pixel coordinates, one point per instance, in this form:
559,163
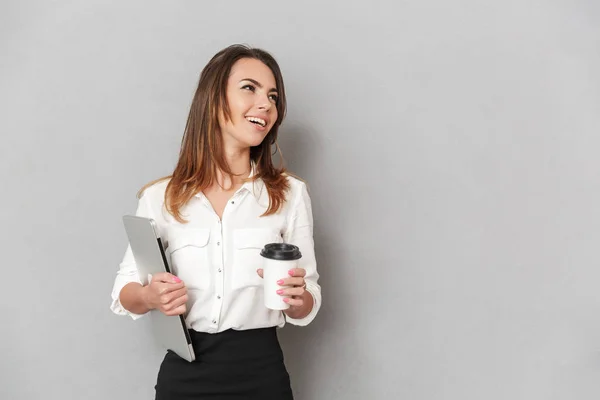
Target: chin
251,140
254,143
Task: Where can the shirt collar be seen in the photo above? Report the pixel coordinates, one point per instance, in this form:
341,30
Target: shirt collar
255,187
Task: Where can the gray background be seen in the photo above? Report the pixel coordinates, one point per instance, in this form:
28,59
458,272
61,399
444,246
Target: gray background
452,154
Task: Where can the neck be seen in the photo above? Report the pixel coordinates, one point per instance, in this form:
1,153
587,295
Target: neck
238,161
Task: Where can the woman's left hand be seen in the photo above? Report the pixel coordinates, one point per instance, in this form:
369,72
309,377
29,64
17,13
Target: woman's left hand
297,286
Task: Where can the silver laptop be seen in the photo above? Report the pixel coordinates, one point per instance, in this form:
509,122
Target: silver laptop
150,259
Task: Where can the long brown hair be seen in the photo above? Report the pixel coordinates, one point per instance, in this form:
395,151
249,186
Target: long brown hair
201,151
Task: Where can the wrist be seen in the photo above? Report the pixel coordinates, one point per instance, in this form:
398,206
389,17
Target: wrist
145,297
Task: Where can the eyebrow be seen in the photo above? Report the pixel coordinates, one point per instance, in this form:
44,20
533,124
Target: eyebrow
258,84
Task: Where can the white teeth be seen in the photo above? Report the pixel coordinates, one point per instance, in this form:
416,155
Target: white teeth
262,122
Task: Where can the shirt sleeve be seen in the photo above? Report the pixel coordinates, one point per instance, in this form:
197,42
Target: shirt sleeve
300,233
128,271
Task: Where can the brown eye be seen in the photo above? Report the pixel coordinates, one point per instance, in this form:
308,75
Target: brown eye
274,97
249,87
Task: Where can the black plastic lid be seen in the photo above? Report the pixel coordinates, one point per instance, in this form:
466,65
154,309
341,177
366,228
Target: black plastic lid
281,251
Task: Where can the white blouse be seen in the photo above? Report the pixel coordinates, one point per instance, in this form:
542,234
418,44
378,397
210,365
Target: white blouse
217,259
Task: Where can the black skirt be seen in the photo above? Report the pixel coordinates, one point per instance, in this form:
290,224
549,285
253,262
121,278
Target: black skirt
229,365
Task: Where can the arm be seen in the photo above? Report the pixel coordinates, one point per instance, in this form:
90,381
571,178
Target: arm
299,232
127,277
165,291
133,299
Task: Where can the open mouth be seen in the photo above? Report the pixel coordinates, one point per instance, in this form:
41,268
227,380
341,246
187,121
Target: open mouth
257,121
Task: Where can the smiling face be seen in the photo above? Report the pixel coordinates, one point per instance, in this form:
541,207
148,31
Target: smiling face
252,100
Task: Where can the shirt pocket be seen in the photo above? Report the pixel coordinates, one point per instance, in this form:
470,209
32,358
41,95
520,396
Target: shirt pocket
188,249
246,257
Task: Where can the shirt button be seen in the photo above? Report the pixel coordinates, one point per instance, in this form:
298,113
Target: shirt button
233,202
214,321
218,243
219,269
218,297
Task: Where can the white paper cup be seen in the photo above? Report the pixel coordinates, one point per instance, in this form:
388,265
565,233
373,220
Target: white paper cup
278,258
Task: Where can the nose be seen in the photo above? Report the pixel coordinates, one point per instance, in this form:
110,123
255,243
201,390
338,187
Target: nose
264,103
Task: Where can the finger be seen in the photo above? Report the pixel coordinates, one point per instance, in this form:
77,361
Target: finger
165,277
259,272
168,297
291,282
297,291
164,288
174,295
297,272
175,303
294,302
177,311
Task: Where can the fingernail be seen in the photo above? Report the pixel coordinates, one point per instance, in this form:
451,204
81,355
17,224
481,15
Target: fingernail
291,272
286,299
176,279
280,291
280,282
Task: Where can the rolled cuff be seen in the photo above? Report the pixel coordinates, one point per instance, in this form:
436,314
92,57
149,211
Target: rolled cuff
116,305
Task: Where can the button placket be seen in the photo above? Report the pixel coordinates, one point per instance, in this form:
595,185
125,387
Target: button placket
219,282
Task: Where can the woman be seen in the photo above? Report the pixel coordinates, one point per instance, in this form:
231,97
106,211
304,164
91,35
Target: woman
224,201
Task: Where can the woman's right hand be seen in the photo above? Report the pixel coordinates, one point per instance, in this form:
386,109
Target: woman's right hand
166,293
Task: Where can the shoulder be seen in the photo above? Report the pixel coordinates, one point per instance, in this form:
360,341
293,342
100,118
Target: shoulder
154,191
298,202
295,181
151,197
298,189
296,184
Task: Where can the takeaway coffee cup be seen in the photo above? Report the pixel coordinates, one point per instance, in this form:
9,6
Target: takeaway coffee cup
279,258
